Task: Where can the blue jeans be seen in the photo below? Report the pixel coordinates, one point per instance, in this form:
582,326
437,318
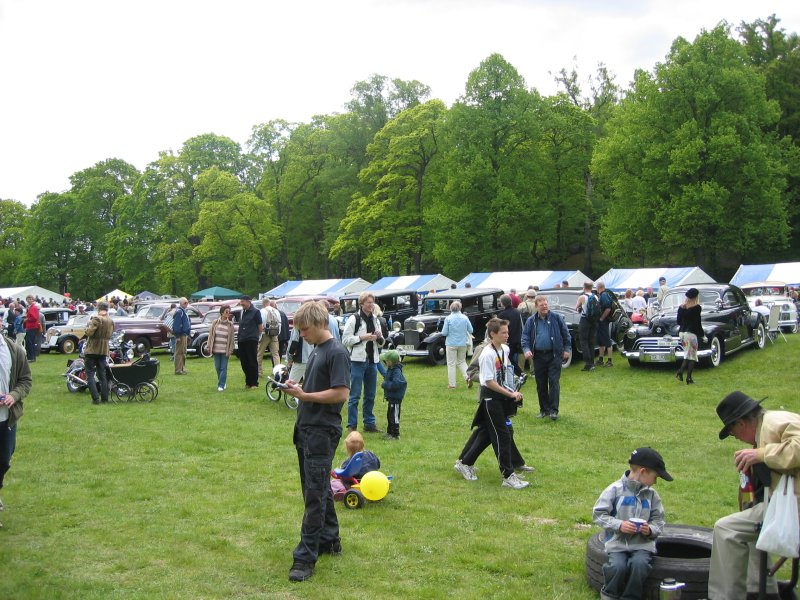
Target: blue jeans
625,574
362,374
221,365
316,447
97,364
547,370
8,441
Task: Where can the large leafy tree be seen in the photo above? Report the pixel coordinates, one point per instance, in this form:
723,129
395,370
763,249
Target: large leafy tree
693,147
13,218
48,258
386,227
487,211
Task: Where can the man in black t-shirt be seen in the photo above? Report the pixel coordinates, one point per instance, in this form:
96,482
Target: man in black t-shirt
316,435
250,330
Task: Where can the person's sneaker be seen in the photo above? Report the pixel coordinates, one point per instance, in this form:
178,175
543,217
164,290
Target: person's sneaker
554,416
332,548
467,471
608,364
301,571
525,469
588,368
515,482
371,429
220,389
599,363
541,415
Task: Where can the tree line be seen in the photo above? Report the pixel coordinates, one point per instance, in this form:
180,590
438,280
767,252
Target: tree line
695,162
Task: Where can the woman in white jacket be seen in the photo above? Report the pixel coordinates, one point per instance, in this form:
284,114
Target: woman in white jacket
363,338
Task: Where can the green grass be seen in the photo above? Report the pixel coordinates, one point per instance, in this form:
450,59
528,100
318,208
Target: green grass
197,494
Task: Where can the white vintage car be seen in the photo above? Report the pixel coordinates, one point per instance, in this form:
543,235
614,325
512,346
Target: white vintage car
770,293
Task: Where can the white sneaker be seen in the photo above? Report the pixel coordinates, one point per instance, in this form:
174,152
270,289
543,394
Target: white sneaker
515,482
467,471
525,469
220,389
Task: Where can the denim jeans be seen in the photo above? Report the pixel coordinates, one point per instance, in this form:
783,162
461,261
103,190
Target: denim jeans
587,330
221,365
8,441
362,374
96,363
547,370
30,343
625,574
316,447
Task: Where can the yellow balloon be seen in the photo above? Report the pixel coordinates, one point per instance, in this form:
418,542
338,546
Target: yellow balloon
374,485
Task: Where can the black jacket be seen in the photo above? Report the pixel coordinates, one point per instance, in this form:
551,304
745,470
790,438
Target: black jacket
514,327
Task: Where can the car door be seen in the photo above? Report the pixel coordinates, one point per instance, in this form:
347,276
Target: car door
735,317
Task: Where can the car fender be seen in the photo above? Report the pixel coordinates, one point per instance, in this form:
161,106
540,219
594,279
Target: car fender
432,338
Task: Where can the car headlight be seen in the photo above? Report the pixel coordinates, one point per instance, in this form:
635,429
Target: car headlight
396,326
632,333
420,326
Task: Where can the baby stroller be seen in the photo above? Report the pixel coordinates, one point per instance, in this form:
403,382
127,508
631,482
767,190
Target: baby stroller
275,392
134,381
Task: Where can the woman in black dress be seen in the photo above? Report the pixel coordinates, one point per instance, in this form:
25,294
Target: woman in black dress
691,331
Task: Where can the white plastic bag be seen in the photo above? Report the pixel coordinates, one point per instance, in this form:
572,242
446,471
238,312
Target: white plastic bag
780,533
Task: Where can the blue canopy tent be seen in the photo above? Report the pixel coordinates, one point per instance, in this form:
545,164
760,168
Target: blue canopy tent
788,273
317,287
620,280
520,280
418,283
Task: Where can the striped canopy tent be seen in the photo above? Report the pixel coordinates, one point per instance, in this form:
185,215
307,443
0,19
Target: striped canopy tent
317,287
418,283
788,273
620,280
520,280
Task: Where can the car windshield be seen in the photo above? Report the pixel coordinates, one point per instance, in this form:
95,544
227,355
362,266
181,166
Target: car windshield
349,306
442,305
764,290
289,306
673,300
78,321
151,312
562,299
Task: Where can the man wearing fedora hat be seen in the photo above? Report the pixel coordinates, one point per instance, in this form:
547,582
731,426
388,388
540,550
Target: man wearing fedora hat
775,439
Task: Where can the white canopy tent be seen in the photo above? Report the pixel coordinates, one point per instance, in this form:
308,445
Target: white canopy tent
32,290
520,280
317,287
418,283
788,273
620,280
118,293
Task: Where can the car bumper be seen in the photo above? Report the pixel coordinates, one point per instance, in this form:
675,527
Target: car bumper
656,352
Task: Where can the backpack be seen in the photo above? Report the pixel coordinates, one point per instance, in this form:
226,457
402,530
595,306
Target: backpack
592,309
273,325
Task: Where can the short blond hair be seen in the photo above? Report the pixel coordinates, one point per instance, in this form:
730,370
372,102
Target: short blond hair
354,442
364,295
311,314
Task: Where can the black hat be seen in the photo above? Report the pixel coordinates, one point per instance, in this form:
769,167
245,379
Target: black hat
733,407
647,457
664,279
246,297
692,293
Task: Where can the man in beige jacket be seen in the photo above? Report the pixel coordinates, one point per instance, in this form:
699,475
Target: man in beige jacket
98,333
774,437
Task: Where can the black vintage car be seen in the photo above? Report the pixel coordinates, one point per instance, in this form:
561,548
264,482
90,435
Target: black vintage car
396,305
728,323
563,302
421,335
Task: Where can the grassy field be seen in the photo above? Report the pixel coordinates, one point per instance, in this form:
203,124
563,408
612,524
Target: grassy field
197,494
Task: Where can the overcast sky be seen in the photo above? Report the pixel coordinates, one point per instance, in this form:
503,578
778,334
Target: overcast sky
87,80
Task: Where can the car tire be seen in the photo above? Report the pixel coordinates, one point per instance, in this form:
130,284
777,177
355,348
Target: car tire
67,346
683,552
760,335
437,352
634,362
203,350
144,342
717,354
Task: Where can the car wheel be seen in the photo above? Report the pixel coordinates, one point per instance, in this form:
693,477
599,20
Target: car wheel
683,552
437,353
144,342
67,346
717,351
760,335
204,351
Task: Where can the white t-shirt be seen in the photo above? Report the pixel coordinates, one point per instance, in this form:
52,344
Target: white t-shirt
492,362
638,302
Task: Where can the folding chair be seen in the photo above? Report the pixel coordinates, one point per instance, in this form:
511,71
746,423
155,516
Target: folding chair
773,329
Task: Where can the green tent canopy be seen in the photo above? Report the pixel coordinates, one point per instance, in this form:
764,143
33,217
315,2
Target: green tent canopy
217,293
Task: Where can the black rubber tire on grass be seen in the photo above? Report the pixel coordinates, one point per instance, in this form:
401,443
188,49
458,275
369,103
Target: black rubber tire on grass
693,543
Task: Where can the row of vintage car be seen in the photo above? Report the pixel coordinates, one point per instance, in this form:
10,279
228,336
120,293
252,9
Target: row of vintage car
730,323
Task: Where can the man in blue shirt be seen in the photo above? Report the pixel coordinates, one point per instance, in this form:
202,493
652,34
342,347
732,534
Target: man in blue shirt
546,339
181,327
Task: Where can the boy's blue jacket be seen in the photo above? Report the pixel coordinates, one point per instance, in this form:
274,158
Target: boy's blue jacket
621,501
394,384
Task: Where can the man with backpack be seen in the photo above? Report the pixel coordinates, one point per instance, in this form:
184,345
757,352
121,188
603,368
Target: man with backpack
589,308
271,319
606,298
